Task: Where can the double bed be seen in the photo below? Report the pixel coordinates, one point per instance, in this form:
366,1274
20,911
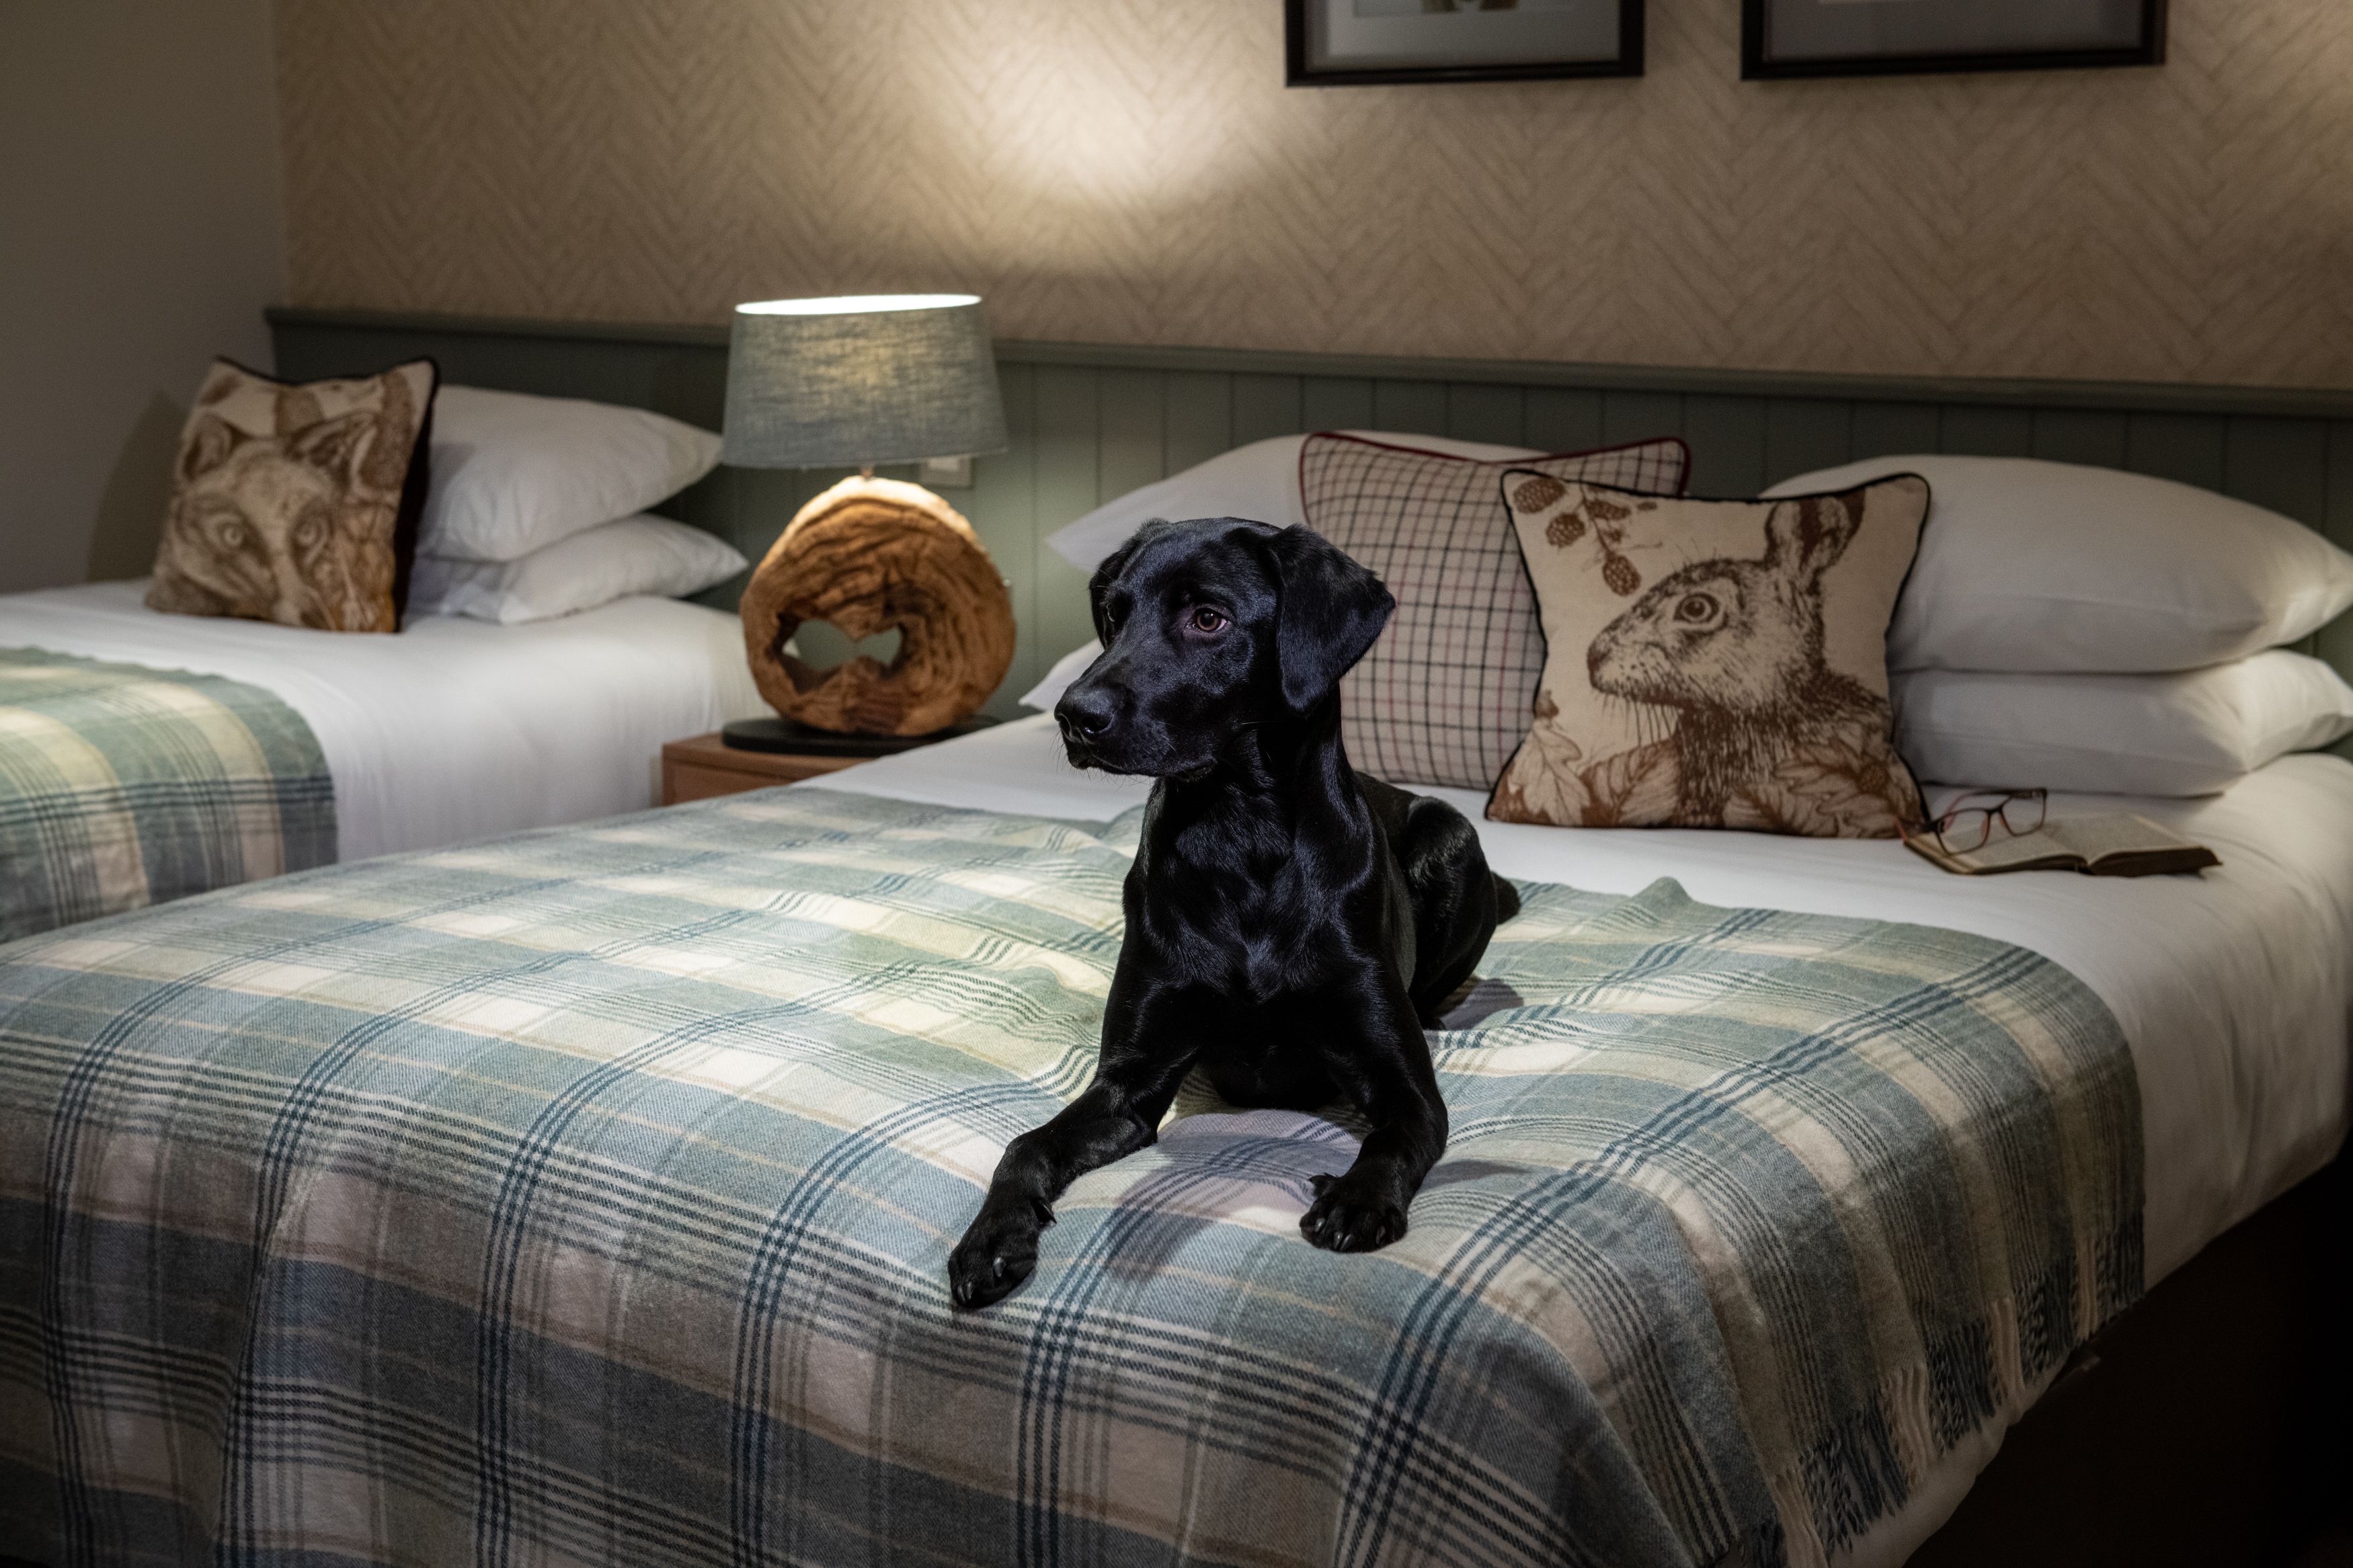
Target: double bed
586,1194
455,729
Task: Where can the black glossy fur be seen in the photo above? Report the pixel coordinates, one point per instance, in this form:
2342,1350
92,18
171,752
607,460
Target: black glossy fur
1291,925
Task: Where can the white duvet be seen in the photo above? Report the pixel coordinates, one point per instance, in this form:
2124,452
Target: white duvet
2235,987
452,730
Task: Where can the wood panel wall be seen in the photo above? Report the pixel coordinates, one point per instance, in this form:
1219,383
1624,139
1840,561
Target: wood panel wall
1089,423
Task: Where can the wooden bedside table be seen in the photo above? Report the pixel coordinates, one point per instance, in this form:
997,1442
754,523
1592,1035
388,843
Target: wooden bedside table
707,765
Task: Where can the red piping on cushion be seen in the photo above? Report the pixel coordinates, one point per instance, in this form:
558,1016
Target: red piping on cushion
1682,475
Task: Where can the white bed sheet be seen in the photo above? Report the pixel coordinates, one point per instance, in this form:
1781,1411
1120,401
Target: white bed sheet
2234,988
453,730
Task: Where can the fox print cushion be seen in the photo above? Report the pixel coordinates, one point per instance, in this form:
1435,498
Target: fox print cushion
1713,664
298,503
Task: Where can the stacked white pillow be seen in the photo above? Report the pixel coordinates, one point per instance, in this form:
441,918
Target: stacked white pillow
536,502
1259,481
595,566
2084,628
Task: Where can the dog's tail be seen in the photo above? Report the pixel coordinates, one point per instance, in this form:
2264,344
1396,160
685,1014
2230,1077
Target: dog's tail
1507,899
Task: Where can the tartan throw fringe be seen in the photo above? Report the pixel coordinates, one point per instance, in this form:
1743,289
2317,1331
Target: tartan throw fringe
585,1197
122,786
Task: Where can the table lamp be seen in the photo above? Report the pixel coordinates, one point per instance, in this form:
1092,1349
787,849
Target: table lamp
864,380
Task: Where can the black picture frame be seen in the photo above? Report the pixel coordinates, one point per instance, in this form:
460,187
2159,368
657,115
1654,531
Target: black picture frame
1298,73
1755,67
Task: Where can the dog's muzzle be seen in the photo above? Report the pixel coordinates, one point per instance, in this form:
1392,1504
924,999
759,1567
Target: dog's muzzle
1085,715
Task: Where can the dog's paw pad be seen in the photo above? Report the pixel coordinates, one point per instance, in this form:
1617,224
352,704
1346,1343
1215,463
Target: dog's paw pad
981,1273
1342,1221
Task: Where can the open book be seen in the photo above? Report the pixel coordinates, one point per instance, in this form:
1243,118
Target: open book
2113,844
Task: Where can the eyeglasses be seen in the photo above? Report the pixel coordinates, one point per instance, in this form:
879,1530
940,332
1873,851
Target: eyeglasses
1968,822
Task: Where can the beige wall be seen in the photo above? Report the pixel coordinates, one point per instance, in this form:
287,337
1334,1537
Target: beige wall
141,233
1134,171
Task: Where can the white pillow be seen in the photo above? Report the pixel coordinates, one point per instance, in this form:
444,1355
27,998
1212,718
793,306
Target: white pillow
2029,565
2118,734
1059,679
635,555
513,474
1260,482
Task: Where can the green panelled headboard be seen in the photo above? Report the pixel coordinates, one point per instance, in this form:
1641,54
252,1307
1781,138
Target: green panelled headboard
1090,422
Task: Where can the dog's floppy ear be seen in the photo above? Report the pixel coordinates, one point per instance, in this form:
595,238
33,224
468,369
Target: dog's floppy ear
1107,572
1331,610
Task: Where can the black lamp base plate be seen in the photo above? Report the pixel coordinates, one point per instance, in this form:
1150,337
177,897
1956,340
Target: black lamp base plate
780,734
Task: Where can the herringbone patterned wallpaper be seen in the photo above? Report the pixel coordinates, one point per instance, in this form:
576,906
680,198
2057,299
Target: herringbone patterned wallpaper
1134,171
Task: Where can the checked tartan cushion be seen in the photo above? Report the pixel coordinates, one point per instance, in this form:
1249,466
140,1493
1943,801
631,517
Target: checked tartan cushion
1444,696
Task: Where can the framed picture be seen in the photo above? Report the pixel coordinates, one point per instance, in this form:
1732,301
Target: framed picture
1337,43
1888,37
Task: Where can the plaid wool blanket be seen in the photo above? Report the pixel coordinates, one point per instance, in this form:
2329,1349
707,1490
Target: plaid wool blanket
121,786
586,1198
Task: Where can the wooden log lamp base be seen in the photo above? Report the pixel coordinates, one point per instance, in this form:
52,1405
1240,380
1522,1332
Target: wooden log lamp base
867,555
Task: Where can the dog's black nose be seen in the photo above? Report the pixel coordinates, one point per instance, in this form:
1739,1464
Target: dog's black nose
1086,712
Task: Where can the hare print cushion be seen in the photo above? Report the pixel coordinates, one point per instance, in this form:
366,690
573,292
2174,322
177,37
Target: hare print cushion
1713,664
298,504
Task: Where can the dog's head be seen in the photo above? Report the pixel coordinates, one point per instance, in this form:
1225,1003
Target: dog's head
1212,628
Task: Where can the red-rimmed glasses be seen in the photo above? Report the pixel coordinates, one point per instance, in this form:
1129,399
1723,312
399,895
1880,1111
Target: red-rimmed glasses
1969,821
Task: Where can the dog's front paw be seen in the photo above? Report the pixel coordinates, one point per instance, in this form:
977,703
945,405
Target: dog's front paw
1351,1216
995,1256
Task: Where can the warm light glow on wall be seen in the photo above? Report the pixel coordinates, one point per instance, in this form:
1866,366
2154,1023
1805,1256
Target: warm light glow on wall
1134,171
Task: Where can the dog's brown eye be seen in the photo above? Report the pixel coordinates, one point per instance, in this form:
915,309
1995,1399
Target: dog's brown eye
1206,620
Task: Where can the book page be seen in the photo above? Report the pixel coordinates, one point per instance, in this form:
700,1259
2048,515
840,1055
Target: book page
2110,833
2000,854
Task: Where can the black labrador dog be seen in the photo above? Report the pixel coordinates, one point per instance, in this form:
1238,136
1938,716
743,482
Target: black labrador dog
1292,925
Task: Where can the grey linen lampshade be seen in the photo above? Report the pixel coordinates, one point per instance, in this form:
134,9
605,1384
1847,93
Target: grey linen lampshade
869,378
